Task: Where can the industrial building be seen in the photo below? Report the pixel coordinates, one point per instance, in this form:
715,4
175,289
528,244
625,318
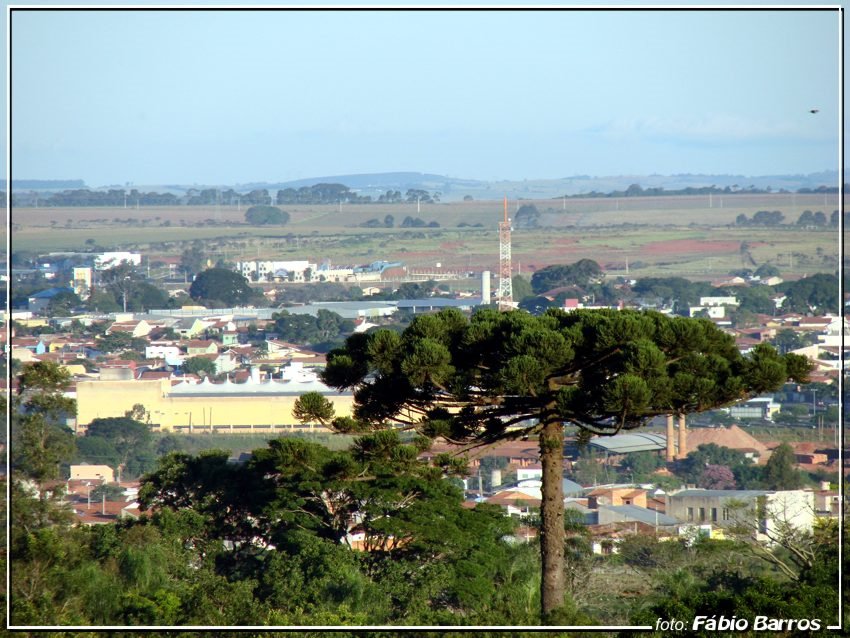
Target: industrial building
254,406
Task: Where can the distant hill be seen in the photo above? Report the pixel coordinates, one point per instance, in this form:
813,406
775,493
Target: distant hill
455,189
43,184
452,188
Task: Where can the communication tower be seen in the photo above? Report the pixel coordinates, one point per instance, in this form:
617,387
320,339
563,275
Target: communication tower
504,298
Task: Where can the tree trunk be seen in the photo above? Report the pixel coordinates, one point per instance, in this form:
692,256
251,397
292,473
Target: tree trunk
552,586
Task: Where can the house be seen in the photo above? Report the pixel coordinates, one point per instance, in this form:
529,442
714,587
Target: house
137,328
616,495
199,347
711,302
86,472
118,370
41,300
163,350
608,514
524,497
189,327
227,361
230,337
36,345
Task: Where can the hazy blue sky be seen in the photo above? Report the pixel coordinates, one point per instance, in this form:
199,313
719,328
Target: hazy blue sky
238,96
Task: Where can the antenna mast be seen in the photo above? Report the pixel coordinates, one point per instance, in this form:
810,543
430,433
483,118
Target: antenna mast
504,297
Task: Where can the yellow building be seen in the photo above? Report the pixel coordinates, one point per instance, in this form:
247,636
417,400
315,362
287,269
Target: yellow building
205,406
82,282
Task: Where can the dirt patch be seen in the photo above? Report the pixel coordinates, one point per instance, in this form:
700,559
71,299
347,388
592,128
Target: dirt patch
690,246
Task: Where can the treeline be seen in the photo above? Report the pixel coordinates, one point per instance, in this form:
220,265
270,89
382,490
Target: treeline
302,535
806,219
584,279
307,195
636,190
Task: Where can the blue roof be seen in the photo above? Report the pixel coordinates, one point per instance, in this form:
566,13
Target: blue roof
50,293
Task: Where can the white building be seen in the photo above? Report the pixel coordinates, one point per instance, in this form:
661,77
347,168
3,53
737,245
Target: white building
163,351
718,301
713,312
262,270
104,261
770,514
758,408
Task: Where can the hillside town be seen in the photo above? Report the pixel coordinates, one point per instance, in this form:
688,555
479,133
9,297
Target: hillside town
188,369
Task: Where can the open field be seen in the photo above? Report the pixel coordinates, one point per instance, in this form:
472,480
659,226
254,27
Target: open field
646,236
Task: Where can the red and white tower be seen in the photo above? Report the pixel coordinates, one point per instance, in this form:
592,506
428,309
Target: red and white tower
504,298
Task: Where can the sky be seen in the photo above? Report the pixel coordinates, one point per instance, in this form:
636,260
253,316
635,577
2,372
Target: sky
231,97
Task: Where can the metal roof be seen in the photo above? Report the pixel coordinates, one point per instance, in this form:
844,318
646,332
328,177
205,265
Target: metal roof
625,443
642,514
251,388
439,302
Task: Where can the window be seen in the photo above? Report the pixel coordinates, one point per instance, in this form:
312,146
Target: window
702,514
714,514
725,513
690,513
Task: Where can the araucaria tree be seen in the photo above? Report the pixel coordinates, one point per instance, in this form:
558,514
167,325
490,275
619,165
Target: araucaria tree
498,376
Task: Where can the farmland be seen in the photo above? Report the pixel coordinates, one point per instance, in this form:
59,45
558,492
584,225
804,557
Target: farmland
694,236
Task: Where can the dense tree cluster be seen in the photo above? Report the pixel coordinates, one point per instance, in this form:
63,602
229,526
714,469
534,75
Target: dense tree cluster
761,218
819,293
222,286
262,215
580,273
527,217
268,542
326,326
602,371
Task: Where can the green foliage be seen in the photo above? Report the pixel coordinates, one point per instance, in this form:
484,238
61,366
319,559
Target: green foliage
639,466
581,273
119,341
690,469
192,260
313,407
428,559
112,492
306,329
818,293
602,371
43,377
780,472
39,447
521,288
63,303
261,215
761,218
549,365
527,217
673,289
123,441
40,439
221,284
202,366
